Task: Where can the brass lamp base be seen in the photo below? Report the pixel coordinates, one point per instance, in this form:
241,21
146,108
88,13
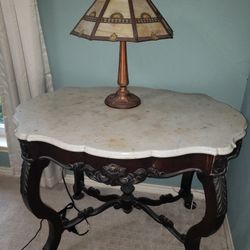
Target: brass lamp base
122,99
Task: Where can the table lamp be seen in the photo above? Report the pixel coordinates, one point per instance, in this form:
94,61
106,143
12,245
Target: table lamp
123,21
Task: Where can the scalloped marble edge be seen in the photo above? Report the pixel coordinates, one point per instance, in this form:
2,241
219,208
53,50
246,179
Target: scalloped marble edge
131,155
138,154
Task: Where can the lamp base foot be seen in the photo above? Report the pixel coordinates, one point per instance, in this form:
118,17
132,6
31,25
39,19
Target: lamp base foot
122,100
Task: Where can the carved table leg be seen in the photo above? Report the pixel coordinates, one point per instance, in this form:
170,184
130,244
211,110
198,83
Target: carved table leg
185,191
30,190
79,183
216,207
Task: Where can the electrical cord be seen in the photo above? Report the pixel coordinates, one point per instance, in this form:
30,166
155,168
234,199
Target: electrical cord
70,196
73,205
38,231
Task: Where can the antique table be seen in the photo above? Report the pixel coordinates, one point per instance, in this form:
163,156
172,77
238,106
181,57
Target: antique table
169,134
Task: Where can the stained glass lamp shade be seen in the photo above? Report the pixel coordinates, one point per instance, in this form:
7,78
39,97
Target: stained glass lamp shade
123,21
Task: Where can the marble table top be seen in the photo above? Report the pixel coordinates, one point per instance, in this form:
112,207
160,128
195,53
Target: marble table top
166,124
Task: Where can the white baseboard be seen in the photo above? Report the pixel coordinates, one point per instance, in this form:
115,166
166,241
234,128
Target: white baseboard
228,234
7,171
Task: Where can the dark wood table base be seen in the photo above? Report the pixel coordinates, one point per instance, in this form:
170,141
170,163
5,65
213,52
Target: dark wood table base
126,173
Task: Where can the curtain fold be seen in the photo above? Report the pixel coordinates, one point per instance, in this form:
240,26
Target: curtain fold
24,69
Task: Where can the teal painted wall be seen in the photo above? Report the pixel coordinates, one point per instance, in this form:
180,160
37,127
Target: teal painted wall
210,52
4,159
239,188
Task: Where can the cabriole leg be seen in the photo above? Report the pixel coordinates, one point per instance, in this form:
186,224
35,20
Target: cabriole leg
216,207
30,190
79,183
185,191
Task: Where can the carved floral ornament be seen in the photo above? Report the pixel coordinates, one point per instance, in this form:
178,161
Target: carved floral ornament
114,174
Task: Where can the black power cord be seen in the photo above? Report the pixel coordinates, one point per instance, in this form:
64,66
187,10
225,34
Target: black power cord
38,231
74,206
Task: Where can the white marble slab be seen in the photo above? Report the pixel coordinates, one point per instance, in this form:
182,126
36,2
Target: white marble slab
165,124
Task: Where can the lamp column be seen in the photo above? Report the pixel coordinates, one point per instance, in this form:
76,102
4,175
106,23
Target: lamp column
122,99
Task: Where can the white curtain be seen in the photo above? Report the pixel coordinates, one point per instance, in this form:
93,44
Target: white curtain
24,69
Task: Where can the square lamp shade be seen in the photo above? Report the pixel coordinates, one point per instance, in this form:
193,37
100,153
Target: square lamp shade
123,21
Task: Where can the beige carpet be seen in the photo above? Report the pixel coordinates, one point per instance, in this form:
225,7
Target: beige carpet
111,230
